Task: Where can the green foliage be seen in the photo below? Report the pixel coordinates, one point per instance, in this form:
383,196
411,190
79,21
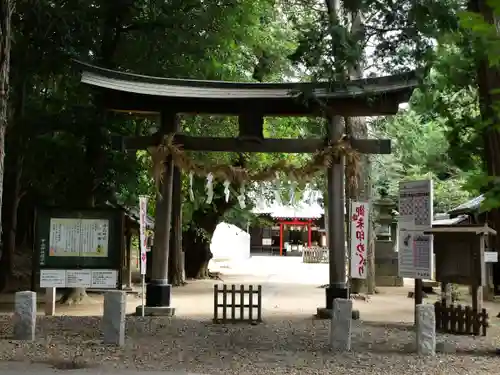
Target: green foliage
55,118
420,151
58,141
396,35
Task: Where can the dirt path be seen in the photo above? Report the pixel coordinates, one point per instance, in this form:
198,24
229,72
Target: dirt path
290,288
289,341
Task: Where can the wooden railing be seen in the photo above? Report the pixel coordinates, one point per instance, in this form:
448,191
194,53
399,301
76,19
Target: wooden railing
235,307
315,254
460,320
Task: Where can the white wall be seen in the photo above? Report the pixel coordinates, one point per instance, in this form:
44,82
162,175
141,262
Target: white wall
229,244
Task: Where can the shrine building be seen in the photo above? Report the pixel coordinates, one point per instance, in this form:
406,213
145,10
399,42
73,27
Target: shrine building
285,229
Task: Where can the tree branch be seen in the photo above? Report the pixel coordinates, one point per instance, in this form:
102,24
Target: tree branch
383,30
143,26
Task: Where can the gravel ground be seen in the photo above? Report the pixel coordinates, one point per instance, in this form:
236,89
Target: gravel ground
278,346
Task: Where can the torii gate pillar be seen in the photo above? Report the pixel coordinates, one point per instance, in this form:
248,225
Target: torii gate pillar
337,287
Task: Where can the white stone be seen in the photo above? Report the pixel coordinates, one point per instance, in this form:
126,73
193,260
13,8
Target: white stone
25,316
340,331
426,329
113,320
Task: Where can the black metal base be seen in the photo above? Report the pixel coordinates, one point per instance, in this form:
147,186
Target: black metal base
334,292
323,313
158,295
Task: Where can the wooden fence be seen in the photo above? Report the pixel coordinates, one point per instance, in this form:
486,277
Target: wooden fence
235,306
315,254
460,320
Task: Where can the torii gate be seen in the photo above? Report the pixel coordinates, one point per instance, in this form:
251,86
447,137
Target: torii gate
251,102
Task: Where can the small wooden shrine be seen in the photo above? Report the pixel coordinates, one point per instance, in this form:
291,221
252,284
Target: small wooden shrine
459,259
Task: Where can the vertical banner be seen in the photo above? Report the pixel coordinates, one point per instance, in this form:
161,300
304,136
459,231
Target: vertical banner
143,208
360,216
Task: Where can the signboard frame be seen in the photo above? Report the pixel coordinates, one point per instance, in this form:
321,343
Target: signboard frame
114,260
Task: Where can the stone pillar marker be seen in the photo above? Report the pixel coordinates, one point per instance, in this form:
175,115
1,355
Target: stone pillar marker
113,320
25,316
50,301
426,329
340,329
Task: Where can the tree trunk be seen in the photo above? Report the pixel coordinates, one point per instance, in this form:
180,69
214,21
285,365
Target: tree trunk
10,211
116,14
75,296
488,80
6,9
196,239
175,261
354,126
198,254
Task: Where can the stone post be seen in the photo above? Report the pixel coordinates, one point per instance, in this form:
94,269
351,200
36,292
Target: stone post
426,329
25,316
340,330
50,301
113,320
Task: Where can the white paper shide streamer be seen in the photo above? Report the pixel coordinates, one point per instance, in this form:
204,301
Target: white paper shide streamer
191,194
210,188
277,194
261,203
312,196
226,189
241,197
293,186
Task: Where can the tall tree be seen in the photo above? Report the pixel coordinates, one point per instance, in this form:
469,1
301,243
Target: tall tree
478,40
338,53
6,9
54,115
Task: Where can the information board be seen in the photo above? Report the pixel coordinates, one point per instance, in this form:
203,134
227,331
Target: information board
79,248
415,216
52,278
415,258
78,237
490,257
84,278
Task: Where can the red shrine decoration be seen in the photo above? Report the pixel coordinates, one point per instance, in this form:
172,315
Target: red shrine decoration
296,222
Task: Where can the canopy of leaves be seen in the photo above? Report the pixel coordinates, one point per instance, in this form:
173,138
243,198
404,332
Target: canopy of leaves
419,150
57,128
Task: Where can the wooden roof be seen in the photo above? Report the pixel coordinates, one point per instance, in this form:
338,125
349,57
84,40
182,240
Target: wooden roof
469,207
476,229
138,93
